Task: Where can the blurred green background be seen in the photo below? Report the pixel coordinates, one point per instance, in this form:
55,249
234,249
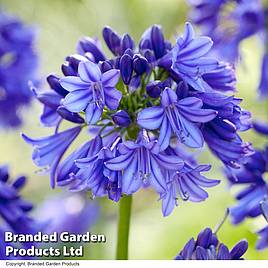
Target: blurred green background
59,24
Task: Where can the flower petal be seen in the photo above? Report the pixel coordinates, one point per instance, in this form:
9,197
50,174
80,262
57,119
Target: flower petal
110,78
150,118
77,101
89,71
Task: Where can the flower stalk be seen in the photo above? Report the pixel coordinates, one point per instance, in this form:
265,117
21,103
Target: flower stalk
123,227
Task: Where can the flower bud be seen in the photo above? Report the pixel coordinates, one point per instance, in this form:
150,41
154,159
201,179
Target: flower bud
140,64
158,42
70,116
90,45
126,42
121,118
154,88
54,84
126,68
112,40
105,66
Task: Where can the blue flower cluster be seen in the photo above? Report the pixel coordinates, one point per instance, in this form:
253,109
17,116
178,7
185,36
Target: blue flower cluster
208,247
245,19
252,176
14,210
143,107
18,65
72,213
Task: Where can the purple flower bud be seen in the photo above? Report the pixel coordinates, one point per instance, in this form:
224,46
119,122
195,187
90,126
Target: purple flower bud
88,44
149,55
112,40
126,68
154,88
74,60
134,83
54,84
182,90
126,42
158,41
121,118
68,70
129,52
105,66
140,64
70,116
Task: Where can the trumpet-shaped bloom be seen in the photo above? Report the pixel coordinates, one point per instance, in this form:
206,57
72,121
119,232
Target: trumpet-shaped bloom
88,172
189,61
91,90
177,117
142,162
208,247
188,184
48,151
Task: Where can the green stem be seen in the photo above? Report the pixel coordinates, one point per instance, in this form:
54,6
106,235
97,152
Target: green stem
123,227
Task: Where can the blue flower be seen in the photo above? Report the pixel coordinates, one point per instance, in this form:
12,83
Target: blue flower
141,163
261,127
15,211
250,174
189,61
263,86
187,183
18,65
262,242
178,117
91,90
84,169
208,247
246,18
163,97
48,151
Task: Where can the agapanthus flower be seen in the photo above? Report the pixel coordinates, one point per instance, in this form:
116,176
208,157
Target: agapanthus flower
137,105
18,65
49,150
187,183
262,242
177,117
15,210
252,176
208,247
245,19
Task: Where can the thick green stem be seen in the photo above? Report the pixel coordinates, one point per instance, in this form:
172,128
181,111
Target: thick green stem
123,227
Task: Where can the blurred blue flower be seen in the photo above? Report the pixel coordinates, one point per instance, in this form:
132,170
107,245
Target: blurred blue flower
15,211
262,242
251,174
73,213
18,65
208,247
245,19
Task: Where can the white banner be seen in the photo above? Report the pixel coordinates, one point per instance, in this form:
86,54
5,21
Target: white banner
134,264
